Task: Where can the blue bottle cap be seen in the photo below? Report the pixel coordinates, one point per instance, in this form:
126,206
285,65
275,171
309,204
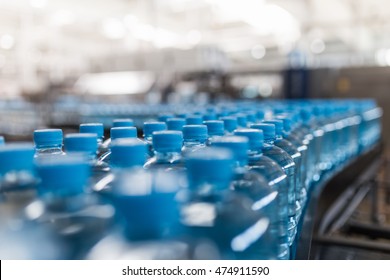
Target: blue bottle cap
2,141
62,175
210,165
251,116
81,143
176,124
195,119
238,145
260,115
147,215
268,130
215,128
287,123
182,115
167,141
47,137
230,123
242,120
254,136
150,127
96,128
16,157
278,126
210,116
123,132
128,153
306,114
122,123
164,117
195,132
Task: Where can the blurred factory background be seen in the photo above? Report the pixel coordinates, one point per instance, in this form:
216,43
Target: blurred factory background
58,55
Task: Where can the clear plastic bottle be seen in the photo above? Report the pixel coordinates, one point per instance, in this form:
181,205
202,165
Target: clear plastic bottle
277,179
212,211
127,159
48,142
98,129
148,220
285,161
2,141
292,150
215,129
17,178
176,124
195,138
149,128
118,133
78,219
254,186
85,144
167,145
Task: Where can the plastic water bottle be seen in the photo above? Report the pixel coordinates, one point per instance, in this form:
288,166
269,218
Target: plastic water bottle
287,163
167,145
277,180
149,128
148,217
292,150
176,124
48,142
118,133
17,177
215,129
254,186
302,147
85,144
230,124
2,141
212,211
79,219
98,129
195,138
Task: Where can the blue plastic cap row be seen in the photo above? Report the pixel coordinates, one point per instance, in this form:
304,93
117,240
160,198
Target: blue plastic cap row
195,132
96,128
122,123
150,127
81,143
123,132
128,153
167,141
176,124
16,157
254,136
48,138
63,175
215,128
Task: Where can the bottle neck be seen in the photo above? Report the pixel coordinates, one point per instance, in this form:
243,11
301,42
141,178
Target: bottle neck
268,143
194,143
167,156
51,150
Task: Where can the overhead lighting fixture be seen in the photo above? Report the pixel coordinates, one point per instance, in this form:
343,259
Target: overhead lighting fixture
113,29
258,52
38,4
7,42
